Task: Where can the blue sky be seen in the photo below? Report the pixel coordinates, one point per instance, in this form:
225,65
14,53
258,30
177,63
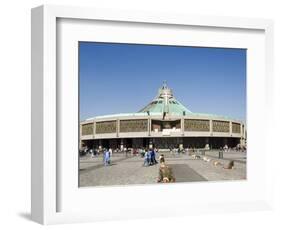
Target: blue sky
121,78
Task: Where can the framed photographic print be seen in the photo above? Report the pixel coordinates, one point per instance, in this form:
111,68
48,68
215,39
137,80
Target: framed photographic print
135,113
189,146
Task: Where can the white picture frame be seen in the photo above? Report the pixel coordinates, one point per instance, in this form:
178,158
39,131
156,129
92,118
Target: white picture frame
55,201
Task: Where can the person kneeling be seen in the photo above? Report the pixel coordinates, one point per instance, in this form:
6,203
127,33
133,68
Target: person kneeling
165,173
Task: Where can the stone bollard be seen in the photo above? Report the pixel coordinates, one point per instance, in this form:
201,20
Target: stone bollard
220,154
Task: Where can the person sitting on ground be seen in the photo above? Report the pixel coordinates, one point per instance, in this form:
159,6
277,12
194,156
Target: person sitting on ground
161,158
165,173
229,165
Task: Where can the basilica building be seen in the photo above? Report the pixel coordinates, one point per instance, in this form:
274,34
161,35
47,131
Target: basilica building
164,123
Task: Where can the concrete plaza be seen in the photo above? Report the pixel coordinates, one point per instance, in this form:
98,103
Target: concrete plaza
126,170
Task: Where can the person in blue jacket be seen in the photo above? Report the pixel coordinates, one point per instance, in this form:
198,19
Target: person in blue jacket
106,158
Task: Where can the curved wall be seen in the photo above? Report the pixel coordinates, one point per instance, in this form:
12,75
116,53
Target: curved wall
155,126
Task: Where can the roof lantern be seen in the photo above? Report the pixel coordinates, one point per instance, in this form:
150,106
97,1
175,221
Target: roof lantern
165,103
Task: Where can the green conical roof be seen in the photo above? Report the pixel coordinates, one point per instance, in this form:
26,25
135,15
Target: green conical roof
165,102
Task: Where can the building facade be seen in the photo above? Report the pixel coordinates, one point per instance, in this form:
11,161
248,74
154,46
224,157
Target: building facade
164,123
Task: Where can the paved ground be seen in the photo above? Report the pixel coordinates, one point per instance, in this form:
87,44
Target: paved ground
130,170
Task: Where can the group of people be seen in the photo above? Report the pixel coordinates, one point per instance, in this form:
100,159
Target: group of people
86,151
237,148
177,150
165,172
150,157
240,148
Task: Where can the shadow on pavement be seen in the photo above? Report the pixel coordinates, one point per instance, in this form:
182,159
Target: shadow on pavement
183,173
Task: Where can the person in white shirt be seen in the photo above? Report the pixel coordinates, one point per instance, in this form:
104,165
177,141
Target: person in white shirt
110,152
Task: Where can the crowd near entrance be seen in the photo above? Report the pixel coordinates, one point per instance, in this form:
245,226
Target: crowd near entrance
163,143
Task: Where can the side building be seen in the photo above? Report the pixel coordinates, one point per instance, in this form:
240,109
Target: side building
164,123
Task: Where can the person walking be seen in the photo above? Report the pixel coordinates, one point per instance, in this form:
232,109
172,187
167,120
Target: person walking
106,158
143,151
91,153
146,159
153,157
110,152
95,152
149,156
